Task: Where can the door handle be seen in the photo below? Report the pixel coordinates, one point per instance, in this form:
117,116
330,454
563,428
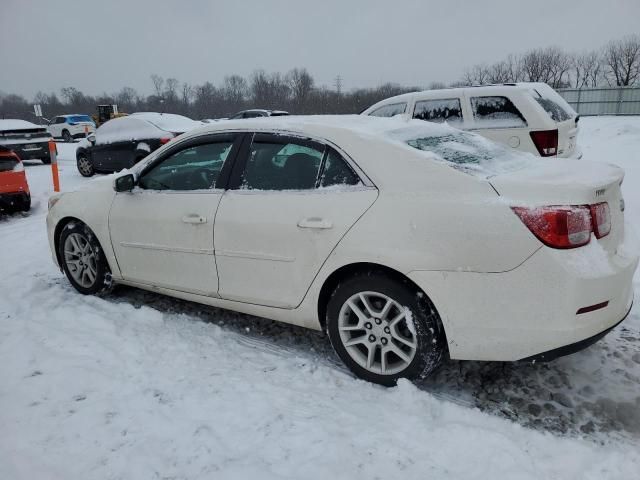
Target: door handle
194,218
315,222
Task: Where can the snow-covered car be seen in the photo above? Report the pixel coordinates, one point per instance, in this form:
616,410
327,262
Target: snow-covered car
14,189
27,140
258,112
404,240
70,127
122,142
530,117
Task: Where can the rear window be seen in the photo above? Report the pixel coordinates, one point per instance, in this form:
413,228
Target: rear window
439,111
80,118
389,110
552,107
468,152
7,164
496,112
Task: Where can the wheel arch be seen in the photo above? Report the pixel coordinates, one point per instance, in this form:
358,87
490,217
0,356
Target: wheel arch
58,230
346,271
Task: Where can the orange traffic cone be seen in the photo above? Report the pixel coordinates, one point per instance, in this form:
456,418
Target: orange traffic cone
53,155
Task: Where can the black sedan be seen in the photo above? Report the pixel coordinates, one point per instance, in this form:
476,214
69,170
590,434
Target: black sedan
123,142
27,140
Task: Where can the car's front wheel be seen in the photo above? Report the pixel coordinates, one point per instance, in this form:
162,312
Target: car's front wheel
383,329
85,167
83,259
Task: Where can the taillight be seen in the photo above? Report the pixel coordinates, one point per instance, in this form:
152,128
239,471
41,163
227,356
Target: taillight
164,140
601,219
546,141
558,227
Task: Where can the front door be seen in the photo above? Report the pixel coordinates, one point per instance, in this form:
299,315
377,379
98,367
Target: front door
162,231
276,228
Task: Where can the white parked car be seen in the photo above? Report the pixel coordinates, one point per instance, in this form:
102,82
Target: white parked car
70,127
531,117
405,240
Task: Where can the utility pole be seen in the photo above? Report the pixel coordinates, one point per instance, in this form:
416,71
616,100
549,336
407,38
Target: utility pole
338,84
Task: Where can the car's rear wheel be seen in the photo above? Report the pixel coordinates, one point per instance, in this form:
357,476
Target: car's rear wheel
83,259
66,136
85,167
383,329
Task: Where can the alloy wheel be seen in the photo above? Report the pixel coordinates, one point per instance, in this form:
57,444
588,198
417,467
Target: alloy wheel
377,332
80,259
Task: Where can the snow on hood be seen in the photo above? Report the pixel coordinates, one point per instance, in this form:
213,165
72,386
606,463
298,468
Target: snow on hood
17,125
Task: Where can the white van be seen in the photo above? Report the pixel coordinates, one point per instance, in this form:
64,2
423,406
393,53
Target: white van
530,117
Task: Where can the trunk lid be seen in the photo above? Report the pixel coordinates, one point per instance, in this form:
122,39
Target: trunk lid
569,182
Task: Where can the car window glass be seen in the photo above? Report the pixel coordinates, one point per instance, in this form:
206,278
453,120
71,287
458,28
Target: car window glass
439,111
193,168
553,108
389,110
60,120
496,112
337,171
282,166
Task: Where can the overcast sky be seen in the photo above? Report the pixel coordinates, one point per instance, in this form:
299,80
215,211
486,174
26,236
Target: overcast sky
101,46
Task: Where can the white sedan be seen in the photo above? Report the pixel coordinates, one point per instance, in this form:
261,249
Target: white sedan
405,241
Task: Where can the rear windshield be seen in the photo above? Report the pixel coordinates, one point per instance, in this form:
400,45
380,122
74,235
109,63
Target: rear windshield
553,106
80,118
470,153
7,164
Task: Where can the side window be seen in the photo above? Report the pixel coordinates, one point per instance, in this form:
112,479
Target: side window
60,119
282,164
193,168
496,112
389,110
337,171
439,111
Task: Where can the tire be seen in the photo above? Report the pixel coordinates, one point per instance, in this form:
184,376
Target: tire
85,167
66,136
408,335
82,259
26,204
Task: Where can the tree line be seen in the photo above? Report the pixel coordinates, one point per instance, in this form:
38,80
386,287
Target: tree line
616,64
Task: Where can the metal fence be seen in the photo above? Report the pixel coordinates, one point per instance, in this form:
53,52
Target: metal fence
603,100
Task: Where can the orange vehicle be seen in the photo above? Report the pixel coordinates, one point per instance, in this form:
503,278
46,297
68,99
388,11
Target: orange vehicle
14,190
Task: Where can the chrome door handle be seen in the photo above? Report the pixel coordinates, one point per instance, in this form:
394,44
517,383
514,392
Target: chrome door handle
194,218
315,222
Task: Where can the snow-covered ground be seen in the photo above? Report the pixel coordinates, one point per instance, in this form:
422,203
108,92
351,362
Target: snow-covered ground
136,385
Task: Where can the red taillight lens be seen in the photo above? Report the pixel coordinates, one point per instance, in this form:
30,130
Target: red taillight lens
558,227
601,218
546,141
164,140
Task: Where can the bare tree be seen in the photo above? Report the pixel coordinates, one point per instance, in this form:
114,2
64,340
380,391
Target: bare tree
158,84
235,90
622,61
301,85
586,69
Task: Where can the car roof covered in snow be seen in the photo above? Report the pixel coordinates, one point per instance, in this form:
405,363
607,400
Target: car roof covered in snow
15,124
169,122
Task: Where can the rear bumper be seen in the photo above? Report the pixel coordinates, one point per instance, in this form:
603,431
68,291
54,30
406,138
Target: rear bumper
534,308
30,151
574,347
14,201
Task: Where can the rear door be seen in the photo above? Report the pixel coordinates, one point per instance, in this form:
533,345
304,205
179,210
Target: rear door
278,223
162,232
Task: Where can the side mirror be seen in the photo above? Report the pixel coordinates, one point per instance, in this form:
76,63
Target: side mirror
91,137
124,183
